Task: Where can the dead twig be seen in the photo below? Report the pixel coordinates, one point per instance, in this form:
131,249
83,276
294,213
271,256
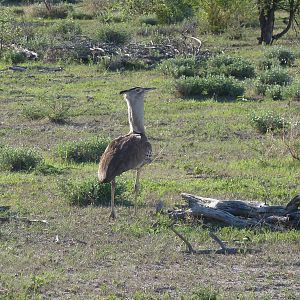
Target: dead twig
22,219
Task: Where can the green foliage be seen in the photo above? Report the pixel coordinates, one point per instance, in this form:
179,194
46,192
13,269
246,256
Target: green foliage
285,56
222,14
14,57
293,92
277,76
172,11
180,66
149,20
204,294
266,63
88,150
59,11
19,159
10,31
121,63
65,30
275,92
231,66
269,121
114,34
89,191
210,86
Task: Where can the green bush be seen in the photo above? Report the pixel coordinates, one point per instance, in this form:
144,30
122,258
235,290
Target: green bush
275,92
114,34
269,121
19,159
210,86
59,11
14,57
79,15
285,56
266,63
88,150
277,76
90,191
121,63
149,20
260,88
293,92
65,30
230,66
180,66
172,11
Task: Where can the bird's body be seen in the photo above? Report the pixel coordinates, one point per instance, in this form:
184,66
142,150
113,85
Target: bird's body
128,152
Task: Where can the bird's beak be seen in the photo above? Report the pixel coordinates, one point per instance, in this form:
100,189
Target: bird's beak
149,89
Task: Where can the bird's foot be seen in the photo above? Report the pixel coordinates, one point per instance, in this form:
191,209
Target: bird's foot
112,215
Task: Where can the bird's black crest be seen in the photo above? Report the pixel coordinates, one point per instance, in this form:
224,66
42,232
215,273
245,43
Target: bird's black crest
125,91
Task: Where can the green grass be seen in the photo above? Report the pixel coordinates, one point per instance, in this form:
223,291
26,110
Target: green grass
205,147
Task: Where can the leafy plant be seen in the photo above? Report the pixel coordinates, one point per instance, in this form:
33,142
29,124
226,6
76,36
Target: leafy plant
180,66
59,11
149,20
88,150
275,92
285,56
89,191
65,30
114,34
212,85
117,63
277,76
19,159
293,92
269,121
231,66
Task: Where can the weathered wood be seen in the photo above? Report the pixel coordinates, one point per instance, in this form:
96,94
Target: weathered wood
239,213
197,208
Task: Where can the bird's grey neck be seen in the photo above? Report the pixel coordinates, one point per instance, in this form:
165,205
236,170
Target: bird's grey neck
136,116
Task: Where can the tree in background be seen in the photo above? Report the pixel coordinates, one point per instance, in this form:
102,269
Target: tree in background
267,10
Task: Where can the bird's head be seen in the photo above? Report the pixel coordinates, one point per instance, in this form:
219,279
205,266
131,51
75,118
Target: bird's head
136,93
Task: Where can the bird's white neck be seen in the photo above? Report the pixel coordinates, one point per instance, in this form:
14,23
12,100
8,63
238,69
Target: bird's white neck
136,114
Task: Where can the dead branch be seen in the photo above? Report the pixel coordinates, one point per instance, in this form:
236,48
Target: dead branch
224,249
22,219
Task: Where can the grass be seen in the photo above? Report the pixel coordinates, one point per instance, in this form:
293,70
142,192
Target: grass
80,254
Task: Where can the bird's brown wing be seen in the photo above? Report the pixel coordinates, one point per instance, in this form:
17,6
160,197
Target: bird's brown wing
124,153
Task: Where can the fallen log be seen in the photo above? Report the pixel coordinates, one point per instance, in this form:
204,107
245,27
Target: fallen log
239,213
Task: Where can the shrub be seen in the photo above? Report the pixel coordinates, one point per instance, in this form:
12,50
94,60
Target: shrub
33,112
260,88
117,63
114,34
57,109
231,66
149,20
90,191
266,63
180,66
269,121
275,76
212,85
88,150
275,92
19,159
14,57
65,30
79,15
284,56
293,92
170,11
59,11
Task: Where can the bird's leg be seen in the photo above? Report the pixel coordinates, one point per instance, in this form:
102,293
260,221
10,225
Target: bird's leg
136,189
112,203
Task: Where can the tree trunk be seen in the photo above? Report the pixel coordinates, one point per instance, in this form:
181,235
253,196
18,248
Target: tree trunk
266,21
